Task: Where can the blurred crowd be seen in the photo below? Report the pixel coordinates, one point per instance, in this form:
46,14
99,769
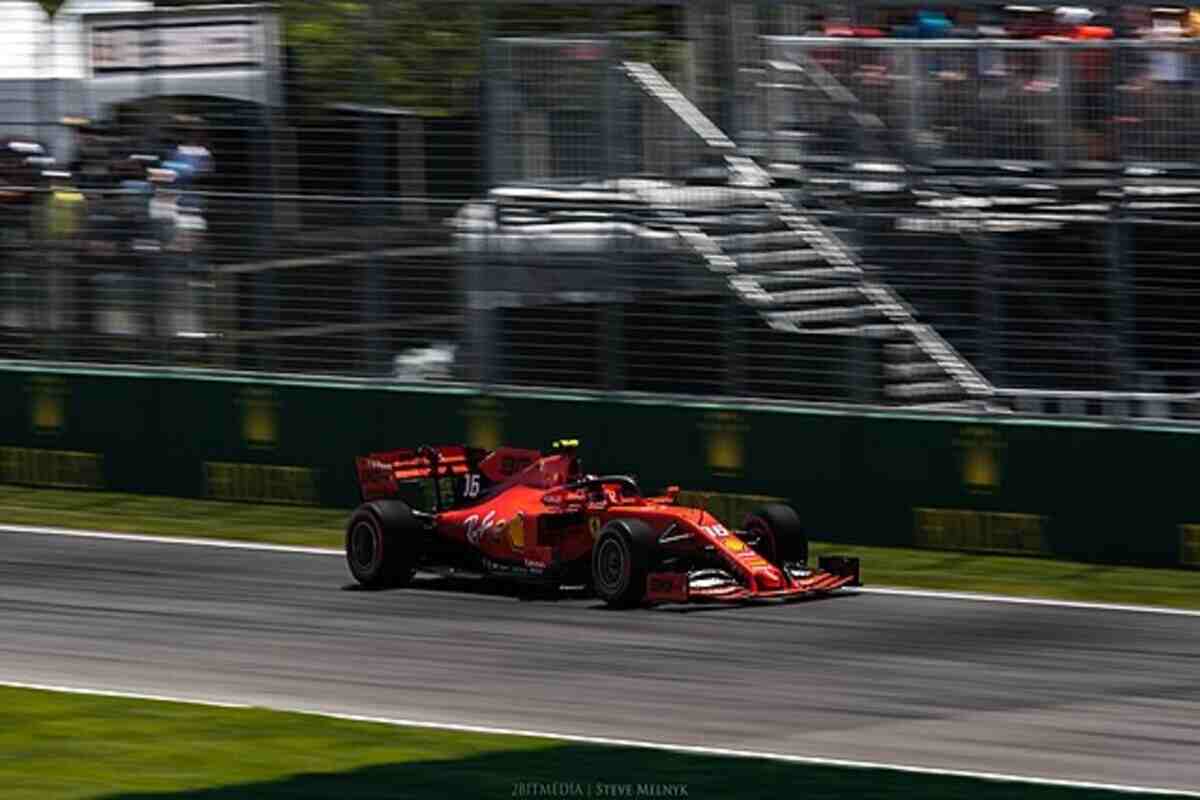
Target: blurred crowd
1020,101
112,221
1017,22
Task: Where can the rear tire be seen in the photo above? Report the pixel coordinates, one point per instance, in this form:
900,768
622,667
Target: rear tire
621,560
781,537
382,541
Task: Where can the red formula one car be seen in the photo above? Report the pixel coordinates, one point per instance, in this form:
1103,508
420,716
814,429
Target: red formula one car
534,517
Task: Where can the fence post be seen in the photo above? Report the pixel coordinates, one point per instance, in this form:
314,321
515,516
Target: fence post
1063,131
266,288
1120,271
989,307
1119,288
613,336
487,159
372,162
915,120
480,321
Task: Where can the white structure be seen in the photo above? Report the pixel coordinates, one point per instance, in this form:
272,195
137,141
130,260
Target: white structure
96,54
25,61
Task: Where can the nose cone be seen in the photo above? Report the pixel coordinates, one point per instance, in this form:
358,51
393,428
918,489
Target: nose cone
768,578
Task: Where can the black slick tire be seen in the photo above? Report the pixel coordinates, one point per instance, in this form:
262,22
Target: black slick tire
382,540
621,560
781,537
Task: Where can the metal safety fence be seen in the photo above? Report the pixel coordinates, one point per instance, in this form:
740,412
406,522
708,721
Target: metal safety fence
1002,226
1060,106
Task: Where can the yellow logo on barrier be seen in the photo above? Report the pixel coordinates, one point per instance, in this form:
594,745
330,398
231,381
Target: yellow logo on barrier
994,531
980,448
260,418
485,418
732,509
1189,545
58,468
47,404
724,444
260,483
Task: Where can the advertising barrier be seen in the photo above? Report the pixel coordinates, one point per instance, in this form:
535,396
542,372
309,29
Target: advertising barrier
1075,490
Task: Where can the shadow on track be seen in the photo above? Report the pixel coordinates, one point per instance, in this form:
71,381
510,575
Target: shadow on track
492,587
593,771
485,587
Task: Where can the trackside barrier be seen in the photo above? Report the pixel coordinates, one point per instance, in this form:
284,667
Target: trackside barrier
1076,490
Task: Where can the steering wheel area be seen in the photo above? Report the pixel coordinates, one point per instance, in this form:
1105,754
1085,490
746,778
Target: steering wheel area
626,485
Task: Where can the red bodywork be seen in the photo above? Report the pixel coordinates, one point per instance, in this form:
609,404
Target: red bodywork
536,516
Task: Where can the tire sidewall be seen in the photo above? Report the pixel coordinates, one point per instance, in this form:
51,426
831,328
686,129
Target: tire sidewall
781,525
635,540
612,541
373,572
394,530
767,547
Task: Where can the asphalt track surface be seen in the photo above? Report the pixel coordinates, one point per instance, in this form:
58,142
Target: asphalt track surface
1068,693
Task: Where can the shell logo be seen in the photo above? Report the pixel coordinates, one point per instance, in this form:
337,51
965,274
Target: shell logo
516,531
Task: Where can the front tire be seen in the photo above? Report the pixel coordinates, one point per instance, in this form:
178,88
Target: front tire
621,561
781,537
382,538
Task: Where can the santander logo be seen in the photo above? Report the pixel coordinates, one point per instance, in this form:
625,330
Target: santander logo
477,528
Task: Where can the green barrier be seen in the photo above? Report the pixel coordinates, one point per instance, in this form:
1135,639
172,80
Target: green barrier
1079,491
732,509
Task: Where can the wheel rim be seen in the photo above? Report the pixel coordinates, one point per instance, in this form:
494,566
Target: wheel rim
362,545
612,567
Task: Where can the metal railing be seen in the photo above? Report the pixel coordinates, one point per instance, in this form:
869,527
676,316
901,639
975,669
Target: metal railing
1055,105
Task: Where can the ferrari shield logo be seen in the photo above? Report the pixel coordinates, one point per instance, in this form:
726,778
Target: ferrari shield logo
594,527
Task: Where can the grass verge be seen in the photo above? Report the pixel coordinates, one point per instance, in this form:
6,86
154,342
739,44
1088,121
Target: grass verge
882,566
172,516
77,746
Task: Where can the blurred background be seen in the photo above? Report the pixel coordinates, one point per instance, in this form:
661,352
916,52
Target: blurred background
955,205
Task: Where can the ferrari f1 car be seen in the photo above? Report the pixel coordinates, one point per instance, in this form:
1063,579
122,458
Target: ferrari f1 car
534,517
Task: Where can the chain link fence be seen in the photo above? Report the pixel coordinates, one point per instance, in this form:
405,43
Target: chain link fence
423,193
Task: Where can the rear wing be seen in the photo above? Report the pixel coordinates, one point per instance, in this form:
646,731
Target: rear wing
381,474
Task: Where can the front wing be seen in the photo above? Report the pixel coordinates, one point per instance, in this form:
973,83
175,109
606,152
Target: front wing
833,572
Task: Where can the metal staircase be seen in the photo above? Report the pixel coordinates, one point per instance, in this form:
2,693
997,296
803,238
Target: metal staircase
798,274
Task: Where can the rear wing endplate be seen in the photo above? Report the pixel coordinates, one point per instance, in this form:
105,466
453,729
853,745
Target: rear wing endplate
379,474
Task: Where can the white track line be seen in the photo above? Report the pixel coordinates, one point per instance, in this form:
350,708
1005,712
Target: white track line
1027,601
231,544
646,745
329,551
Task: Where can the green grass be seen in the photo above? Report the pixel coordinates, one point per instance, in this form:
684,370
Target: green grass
322,527
172,516
1026,576
55,745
